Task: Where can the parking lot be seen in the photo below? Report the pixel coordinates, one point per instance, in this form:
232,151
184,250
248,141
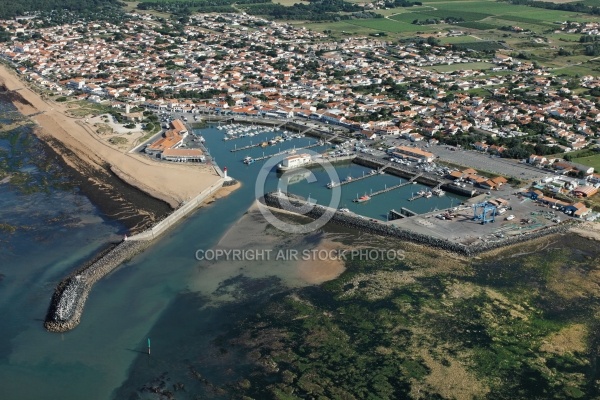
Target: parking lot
477,160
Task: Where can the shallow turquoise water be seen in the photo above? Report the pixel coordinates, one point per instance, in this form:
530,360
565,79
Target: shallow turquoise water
162,293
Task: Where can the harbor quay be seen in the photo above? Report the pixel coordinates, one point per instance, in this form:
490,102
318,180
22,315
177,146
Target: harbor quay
290,203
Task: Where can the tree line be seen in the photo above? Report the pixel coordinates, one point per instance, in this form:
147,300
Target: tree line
14,8
572,7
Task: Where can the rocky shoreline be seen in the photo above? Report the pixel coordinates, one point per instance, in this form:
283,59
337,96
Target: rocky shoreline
71,293
365,225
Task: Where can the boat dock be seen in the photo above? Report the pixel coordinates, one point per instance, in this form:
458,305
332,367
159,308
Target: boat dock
332,185
350,179
389,189
418,196
286,152
250,146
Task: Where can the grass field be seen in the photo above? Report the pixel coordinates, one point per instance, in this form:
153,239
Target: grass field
591,161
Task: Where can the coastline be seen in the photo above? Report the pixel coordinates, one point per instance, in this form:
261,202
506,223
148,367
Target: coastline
129,188
148,197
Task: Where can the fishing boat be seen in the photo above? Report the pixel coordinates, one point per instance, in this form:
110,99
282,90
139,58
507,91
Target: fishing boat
248,160
362,199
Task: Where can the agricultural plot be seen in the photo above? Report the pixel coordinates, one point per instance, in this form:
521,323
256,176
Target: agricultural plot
465,15
482,26
388,25
410,16
525,20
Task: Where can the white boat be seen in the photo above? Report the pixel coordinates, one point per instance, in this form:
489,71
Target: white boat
248,160
438,192
344,210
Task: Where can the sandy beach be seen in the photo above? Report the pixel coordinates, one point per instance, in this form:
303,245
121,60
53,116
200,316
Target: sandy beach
80,147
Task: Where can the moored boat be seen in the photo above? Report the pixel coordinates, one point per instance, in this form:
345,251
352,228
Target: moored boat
362,199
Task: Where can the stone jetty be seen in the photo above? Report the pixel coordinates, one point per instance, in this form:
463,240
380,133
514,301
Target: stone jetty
365,225
71,293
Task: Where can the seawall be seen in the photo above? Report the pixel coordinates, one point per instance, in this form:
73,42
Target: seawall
70,295
365,225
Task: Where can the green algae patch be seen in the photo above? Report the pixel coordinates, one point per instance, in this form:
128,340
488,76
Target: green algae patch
501,326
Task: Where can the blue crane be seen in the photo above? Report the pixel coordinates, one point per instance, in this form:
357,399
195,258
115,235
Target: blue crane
484,212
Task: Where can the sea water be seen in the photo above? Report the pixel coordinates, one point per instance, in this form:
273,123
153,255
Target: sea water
164,294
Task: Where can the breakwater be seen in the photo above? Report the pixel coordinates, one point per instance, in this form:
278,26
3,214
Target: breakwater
365,225
70,295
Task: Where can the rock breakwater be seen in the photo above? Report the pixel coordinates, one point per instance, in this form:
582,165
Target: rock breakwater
71,293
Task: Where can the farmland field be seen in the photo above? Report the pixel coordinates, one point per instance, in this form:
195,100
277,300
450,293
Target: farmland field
388,25
466,15
482,18
410,16
517,18
477,25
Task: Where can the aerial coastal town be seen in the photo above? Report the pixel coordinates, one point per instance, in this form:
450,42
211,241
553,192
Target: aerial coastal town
437,160
237,65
